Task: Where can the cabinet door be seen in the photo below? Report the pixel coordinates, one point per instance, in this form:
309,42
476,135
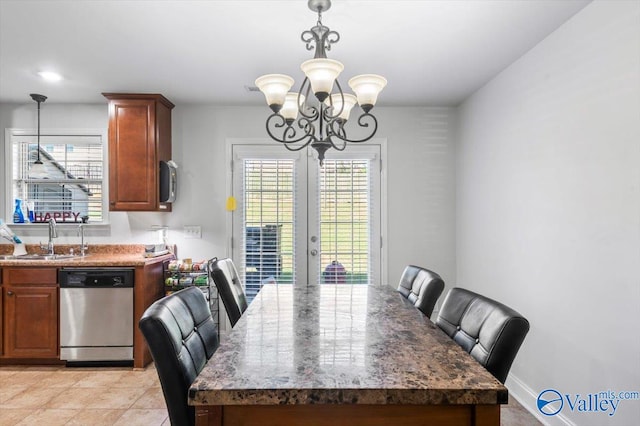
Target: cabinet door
132,155
139,138
31,321
1,319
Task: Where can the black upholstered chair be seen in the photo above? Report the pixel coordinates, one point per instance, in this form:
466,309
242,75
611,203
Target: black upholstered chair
422,287
181,336
225,277
490,331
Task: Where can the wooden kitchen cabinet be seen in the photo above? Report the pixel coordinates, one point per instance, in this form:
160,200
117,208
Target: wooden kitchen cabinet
30,313
1,315
139,138
149,287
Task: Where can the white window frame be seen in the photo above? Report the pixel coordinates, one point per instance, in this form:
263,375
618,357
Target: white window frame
11,133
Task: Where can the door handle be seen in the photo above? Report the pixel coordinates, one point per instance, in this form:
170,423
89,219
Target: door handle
9,293
314,252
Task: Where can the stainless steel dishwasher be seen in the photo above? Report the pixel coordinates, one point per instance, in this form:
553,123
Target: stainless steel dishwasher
96,315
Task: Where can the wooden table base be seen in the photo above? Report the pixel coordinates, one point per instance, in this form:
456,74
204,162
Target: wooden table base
348,415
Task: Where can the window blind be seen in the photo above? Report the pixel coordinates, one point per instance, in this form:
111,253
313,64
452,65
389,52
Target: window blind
345,225
269,228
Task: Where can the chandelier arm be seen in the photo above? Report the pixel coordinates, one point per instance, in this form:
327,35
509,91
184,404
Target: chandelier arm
328,116
313,115
297,148
340,134
362,123
338,147
282,123
289,133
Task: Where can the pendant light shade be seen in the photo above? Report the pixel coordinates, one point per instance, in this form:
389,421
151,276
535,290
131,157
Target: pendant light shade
38,171
367,87
349,102
290,108
275,88
322,72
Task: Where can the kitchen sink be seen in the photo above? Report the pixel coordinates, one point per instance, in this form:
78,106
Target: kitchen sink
42,257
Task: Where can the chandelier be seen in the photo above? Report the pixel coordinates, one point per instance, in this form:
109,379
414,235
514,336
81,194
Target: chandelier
323,113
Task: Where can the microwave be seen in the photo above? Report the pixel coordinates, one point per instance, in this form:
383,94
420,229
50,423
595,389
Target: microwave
168,181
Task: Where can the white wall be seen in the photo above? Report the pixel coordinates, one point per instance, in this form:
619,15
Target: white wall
419,175
548,206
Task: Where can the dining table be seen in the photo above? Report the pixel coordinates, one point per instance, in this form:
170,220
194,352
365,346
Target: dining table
338,354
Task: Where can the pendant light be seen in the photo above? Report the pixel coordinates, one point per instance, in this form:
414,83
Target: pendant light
38,170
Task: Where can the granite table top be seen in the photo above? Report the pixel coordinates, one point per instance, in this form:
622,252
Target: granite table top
340,344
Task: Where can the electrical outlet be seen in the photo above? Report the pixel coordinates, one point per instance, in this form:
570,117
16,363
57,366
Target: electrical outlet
192,231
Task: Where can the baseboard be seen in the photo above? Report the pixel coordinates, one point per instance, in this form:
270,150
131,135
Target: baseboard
527,398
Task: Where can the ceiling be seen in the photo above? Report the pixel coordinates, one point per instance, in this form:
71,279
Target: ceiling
431,52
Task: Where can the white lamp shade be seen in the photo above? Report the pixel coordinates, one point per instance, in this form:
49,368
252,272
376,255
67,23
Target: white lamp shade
38,171
290,108
322,72
274,87
366,87
349,102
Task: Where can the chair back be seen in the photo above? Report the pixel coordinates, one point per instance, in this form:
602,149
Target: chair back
490,331
181,336
422,287
226,278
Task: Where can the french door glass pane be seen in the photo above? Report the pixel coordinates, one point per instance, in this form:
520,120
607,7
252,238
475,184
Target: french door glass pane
269,211
345,226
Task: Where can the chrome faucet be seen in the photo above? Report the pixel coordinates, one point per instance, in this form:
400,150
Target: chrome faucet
83,246
53,233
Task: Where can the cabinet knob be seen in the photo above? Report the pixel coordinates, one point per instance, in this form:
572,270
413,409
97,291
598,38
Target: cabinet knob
9,293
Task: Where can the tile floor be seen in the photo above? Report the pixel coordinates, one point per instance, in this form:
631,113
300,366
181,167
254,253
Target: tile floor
53,396
80,396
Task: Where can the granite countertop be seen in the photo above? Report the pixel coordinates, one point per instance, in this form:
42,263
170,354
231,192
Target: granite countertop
340,344
97,255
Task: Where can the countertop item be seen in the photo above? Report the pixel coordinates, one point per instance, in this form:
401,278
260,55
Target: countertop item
97,255
339,344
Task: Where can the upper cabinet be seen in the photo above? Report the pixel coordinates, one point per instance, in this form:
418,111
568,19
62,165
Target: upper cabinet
139,138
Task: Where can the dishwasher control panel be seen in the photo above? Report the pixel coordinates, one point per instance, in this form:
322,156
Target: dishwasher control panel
95,277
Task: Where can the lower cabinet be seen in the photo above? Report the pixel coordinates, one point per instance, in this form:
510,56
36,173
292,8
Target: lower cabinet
29,306
30,313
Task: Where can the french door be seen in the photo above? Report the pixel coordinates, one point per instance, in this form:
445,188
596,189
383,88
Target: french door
298,223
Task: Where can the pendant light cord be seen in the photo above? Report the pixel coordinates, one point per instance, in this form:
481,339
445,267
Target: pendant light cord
39,99
38,132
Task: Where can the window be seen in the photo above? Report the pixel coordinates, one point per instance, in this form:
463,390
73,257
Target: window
73,189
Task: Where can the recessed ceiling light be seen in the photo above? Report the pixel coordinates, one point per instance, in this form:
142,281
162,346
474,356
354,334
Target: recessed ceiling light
50,76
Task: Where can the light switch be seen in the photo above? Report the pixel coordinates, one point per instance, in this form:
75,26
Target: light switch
192,231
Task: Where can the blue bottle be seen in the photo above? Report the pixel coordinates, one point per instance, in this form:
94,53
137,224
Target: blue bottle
18,216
